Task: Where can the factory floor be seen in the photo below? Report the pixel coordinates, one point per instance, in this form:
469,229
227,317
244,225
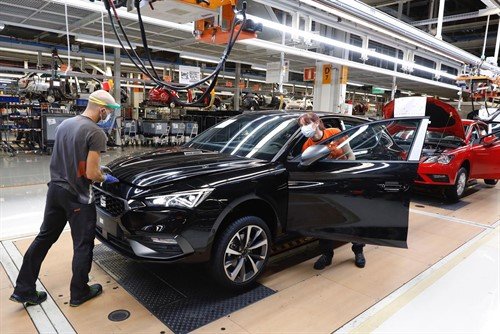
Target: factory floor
447,281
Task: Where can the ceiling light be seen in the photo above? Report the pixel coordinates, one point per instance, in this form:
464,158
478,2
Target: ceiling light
9,75
18,51
355,84
347,46
340,61
2,26
113,44
368,11
122,12
192,56
259,68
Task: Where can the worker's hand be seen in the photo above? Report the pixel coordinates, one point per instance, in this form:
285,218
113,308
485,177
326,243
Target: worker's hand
108,178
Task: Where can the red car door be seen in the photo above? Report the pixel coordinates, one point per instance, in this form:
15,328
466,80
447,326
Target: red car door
485,156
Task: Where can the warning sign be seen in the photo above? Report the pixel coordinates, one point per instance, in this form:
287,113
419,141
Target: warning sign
327,74
309,73
344,73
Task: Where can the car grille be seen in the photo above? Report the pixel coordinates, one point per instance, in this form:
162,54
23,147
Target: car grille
112,205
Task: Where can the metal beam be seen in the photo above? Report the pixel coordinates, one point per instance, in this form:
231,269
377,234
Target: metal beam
459,17
84,22
37,11
440,19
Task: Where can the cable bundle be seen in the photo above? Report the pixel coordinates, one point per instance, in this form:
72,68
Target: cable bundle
137,61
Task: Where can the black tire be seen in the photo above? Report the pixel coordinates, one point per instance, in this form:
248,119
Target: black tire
490,182
456,191
227,247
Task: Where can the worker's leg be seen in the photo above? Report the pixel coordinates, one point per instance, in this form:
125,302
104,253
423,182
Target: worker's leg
325,259
53,224
82,220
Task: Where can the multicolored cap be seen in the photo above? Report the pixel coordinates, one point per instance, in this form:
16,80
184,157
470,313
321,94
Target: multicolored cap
103,98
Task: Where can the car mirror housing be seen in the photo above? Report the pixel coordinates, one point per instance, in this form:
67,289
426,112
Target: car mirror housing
488,140
313,154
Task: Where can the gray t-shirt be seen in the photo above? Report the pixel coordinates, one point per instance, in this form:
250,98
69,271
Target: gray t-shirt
75,137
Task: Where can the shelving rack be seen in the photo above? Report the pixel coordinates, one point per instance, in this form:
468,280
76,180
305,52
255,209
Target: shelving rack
29,127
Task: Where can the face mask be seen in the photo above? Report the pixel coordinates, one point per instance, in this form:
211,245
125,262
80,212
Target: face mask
308,131
104,121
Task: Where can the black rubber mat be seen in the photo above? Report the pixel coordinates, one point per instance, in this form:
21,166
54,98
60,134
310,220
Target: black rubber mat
182,296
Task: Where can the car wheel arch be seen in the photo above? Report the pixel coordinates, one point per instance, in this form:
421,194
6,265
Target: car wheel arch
465,164
242,207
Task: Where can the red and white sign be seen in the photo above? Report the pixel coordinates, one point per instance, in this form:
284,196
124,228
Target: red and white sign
309,73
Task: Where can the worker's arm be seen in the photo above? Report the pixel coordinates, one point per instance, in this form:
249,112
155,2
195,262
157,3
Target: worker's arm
94,171
94,167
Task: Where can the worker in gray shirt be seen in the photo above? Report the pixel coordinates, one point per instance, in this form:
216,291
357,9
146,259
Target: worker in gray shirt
75,164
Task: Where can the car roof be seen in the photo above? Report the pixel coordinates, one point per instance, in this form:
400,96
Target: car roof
300,112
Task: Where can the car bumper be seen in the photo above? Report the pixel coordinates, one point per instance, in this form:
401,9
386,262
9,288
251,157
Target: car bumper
436,174
165,247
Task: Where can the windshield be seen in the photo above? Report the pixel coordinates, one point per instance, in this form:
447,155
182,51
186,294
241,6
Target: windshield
252,135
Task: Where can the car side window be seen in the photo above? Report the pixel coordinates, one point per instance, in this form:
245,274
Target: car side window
475,136
349,123
374,141
296,150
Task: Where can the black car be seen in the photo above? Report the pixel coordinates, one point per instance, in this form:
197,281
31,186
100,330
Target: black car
239,187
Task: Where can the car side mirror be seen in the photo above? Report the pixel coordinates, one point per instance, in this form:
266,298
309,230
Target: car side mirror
488,140
313,154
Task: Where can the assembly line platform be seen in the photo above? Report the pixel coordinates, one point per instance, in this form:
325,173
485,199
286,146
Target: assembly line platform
291,296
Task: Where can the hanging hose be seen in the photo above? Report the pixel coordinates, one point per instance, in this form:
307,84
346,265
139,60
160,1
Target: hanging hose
67,36
137,61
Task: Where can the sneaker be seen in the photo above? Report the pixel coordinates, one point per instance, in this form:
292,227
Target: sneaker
359,259
322,262
36,299
94,291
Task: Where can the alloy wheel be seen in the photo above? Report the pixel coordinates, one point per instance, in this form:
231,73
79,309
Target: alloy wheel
462,179
246,253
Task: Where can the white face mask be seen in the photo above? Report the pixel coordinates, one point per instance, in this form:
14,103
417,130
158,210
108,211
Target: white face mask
108,117
308,130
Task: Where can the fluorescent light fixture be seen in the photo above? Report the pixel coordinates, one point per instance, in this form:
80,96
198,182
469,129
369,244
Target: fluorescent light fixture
369,11
340,61
347,46
259,68
2,26
355,84
18,51
296,86
113,44
122,12
9,75
192,56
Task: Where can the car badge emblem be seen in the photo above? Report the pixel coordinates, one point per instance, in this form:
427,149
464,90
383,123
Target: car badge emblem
103,201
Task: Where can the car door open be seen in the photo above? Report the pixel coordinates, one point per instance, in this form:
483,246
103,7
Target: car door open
358,189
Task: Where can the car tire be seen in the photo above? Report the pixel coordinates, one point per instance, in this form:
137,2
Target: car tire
490,182
456,191
235,265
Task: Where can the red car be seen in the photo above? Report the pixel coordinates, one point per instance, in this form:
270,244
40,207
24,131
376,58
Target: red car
456,152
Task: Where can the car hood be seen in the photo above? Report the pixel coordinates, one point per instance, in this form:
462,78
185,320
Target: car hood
443,117
161,167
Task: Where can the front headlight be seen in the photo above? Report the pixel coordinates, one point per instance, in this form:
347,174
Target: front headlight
184,199
443,159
